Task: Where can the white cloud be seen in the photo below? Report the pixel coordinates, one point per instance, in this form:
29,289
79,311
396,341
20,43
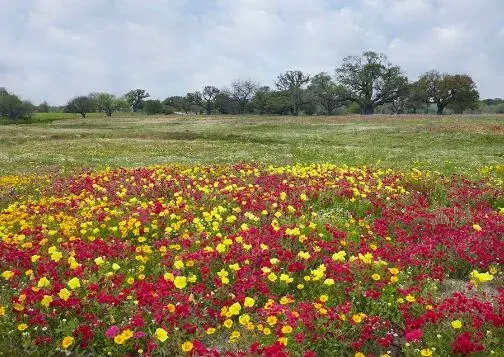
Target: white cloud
56,49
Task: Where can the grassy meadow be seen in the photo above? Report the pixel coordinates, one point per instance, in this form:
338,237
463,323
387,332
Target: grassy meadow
449,144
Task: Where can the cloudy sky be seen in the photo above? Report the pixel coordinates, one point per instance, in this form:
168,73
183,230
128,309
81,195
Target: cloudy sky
56,49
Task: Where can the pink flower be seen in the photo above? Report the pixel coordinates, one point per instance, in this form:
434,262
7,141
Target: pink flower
413,335
112,332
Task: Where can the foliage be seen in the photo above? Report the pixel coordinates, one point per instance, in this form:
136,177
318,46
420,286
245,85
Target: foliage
136,98
14,108
371,81
81,105
449,91
209,98
327,93
153,106
293,83
242,92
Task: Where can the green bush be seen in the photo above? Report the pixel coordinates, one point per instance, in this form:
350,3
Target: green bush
14,108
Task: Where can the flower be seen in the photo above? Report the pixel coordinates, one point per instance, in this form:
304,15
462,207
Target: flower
99,261
456,324
476,227
286,329
46,300
180,282
210,331
249,302
43,282
22,327
67,342
7,274
481,277
375,277
187,346
74,283
426,352
235,309
360,354
64,294
112,332
161,334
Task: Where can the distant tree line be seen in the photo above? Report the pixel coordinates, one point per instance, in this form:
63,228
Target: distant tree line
363,84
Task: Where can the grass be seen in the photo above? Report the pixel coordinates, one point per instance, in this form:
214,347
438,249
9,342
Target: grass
449,144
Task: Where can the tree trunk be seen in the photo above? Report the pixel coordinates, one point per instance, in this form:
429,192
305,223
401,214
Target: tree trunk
440,109
367,109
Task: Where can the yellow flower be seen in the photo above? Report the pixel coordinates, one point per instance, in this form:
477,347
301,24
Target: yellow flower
329,282
34,258
210,331
67,342
180,282
235,309
456,324
357,318
272,320
161,334
476,227
22,327
267,331
99,261
272,277
43,282
119,339
2,310
7,274
64,294
304,255
46,300
187,346
426,352
244,319
410,298
394,271
249,302
360,354
116,266
324,298
481,277
339,256
228,323
375,277
178,264
74,283
286,329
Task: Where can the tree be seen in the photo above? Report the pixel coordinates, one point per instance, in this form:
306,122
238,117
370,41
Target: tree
328,94
242,92
106,103
14,108
209,95
152,107
260,99
135,98
225,103
178,104
456,91
279,102
81,105
370,80
44,108
195,101
292,82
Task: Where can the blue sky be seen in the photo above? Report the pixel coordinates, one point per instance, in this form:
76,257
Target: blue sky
56,49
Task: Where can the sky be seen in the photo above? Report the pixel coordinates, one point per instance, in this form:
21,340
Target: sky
53,50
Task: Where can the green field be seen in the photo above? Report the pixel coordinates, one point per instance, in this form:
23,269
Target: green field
448,144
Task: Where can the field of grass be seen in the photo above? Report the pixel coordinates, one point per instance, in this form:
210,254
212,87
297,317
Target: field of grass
446,144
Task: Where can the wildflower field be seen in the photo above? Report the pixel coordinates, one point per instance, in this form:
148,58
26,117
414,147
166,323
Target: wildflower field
172,236
239,260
